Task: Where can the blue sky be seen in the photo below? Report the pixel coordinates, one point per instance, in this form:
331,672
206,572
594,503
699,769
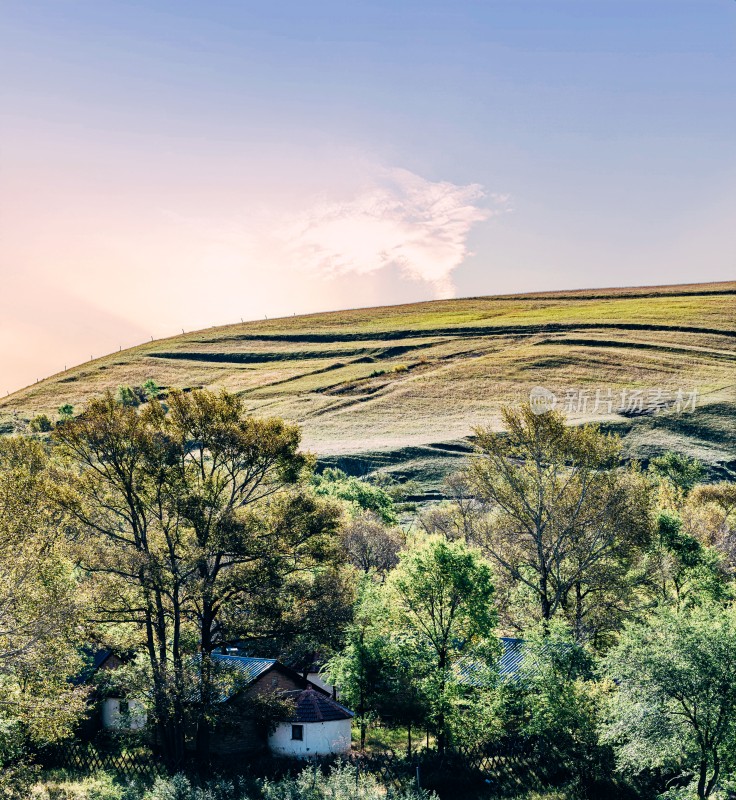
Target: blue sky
329,154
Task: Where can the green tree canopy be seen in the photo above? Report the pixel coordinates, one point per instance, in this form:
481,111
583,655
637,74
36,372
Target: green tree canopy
442,613
680,470
40,603
675,707
200,523
564,524
360,494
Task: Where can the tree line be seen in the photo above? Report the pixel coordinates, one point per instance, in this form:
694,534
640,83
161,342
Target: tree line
170,525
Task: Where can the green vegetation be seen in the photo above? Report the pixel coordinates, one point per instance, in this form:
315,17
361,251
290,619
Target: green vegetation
194,514
341,375
558,610
341,783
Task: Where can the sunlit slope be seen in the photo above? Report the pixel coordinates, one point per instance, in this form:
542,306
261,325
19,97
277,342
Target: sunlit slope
394,378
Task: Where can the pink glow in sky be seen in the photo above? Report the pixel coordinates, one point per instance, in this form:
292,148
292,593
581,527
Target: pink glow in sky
174,164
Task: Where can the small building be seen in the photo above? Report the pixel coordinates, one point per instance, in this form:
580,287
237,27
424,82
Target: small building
109,708
319,726
120,714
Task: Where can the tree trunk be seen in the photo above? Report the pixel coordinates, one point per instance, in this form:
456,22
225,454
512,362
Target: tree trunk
408,740
714,777
578,612
205,686
441,738
702,778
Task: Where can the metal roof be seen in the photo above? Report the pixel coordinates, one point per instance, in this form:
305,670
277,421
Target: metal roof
233,673
513,653
246,668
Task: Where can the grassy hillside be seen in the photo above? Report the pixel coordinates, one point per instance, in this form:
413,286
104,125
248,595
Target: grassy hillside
400,387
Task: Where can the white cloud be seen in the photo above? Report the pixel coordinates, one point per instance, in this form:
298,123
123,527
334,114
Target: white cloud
401,220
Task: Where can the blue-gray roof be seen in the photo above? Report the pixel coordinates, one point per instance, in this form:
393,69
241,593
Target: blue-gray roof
233,673
246,668
513,653
512,656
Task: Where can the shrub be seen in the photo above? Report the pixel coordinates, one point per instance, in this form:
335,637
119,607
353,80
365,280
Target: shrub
151,389
100,786
66,411
341,783
41,424
127,396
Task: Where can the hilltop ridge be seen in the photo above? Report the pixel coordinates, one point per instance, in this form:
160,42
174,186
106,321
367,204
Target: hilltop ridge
401,387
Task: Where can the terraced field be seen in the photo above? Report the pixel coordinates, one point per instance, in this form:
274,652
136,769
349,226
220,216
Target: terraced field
401,387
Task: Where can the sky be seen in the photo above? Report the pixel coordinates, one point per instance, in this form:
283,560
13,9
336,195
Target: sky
172,165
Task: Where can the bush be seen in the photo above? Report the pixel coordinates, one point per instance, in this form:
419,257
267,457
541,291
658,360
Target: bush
127,396
41,424
66,411
100,786
341,783
151,389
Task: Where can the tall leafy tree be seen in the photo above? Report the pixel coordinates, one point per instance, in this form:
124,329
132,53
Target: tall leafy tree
443,616
678,469
198,520
40,605
676,702
359,494
563,522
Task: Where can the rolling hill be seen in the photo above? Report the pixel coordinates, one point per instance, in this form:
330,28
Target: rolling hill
400,388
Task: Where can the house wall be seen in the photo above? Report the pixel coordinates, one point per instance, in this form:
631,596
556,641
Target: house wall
239,733
320,738
317,680
112,718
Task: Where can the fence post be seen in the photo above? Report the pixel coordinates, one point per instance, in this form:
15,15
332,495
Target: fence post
419,782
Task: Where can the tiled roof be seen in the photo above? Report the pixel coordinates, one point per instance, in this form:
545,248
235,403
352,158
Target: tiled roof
311,706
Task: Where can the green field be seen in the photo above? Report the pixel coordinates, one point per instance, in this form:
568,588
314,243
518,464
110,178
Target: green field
401,387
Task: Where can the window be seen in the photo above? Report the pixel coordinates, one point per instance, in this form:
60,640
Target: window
297,733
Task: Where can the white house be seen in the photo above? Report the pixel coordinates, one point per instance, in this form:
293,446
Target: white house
123,715
319,726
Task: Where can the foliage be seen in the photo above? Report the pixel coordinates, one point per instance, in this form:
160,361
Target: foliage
151,389
39,605
440,600
557,701
562,523
66,411
675,707
60,785
690,570
127,396
361,495
41,424
678,469
373,672
370,544
341,783
199,523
